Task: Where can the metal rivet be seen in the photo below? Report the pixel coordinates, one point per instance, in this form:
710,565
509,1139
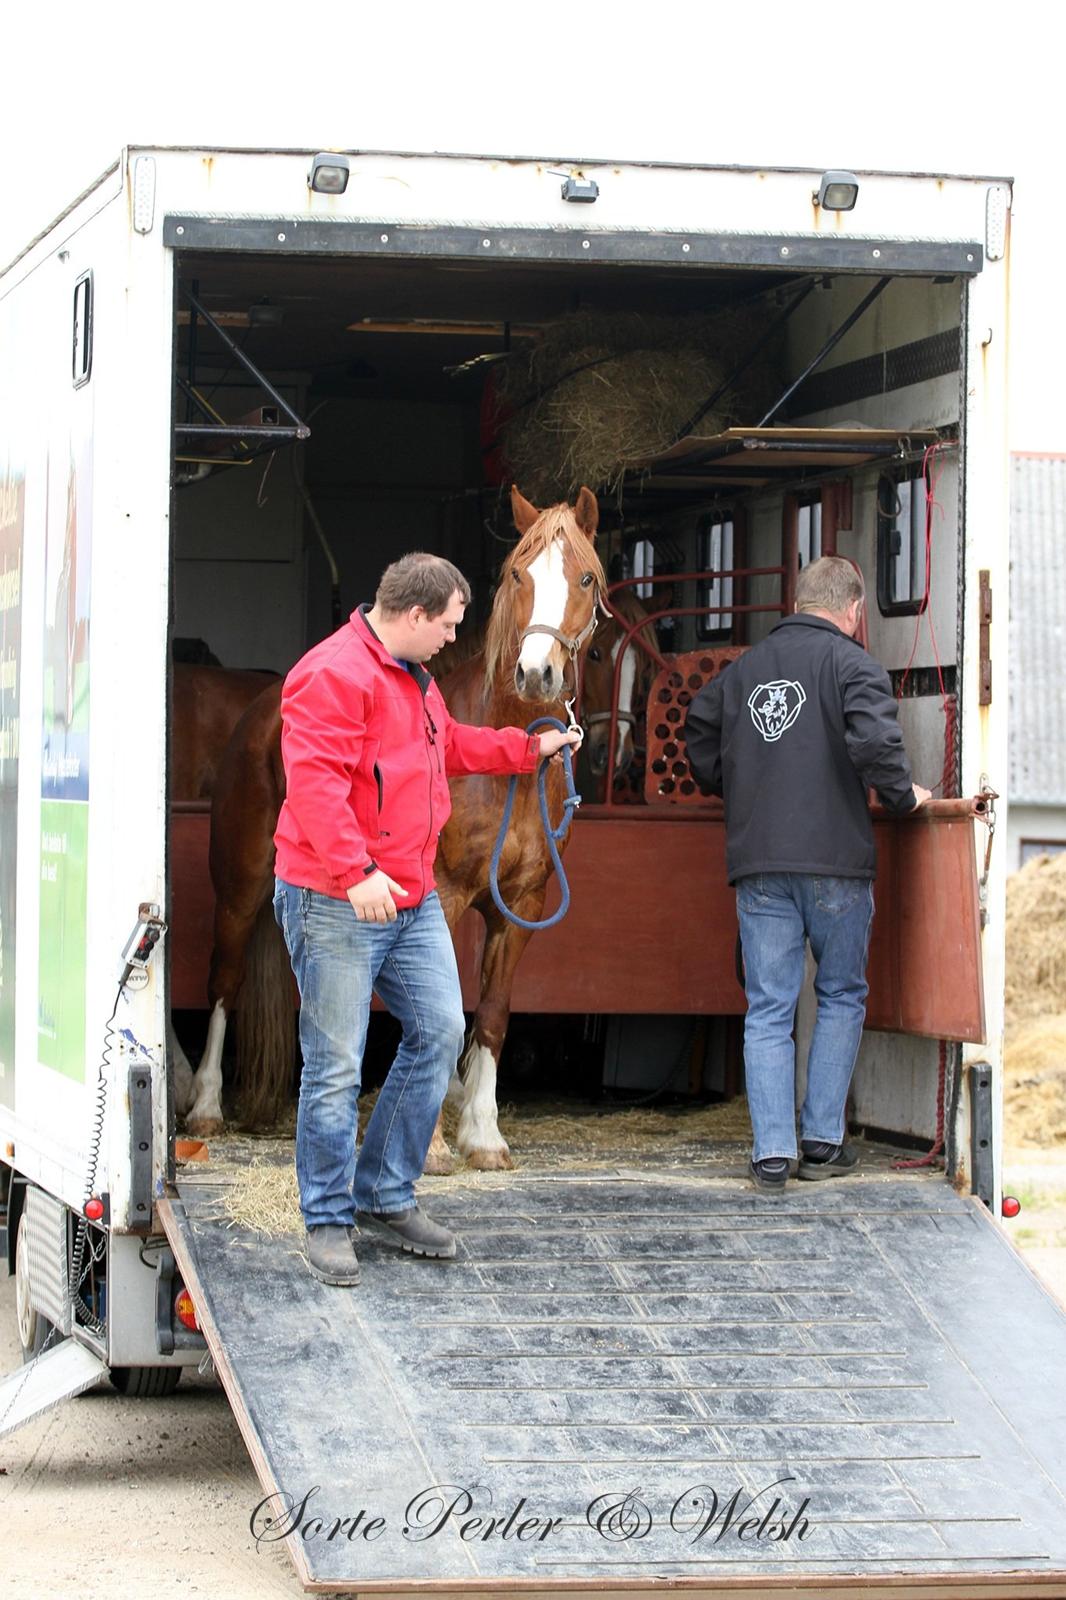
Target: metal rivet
281,238
584,244
485,243
784,249
969,258
686,248
877,255
384,238
179,230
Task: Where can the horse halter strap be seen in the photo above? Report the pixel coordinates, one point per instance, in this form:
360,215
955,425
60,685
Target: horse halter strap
572,646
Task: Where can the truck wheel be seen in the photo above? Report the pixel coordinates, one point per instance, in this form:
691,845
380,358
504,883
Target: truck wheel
145,1383
33,1328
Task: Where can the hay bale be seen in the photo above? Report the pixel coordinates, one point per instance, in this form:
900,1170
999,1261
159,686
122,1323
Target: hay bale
1036,940
1034,1072
598,393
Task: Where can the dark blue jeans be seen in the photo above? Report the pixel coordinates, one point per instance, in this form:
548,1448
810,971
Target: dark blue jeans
778,913
339,962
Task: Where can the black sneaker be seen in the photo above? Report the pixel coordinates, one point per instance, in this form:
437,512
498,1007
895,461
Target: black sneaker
770,1175
418,1234
331,1257
821,1160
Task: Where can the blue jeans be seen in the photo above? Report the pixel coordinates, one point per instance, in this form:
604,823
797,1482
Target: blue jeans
778,912
339,962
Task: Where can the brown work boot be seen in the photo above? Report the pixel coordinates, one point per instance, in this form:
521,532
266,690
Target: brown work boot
416,1233
331,1257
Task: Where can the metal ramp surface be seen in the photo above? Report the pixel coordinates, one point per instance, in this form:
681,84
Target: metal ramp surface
853,1387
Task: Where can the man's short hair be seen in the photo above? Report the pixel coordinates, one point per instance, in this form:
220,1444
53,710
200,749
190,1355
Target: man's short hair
420,579
829,584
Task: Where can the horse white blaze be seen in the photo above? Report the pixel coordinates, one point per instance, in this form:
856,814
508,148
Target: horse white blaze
207,1106
478,1127
550,591
626,683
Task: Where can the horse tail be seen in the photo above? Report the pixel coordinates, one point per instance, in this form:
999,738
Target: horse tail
266,1030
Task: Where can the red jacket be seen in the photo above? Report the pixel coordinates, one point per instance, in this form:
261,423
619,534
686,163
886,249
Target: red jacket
368,747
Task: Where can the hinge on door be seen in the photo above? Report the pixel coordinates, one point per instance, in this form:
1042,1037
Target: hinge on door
984,647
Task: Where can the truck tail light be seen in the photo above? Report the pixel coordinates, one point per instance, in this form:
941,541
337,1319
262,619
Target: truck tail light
185,1311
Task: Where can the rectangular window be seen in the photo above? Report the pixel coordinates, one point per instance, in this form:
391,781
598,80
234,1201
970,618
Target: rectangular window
809,530
1041,847
715,555
901,544
643,567
83,330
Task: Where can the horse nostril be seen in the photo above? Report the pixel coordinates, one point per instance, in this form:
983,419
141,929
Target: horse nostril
520,678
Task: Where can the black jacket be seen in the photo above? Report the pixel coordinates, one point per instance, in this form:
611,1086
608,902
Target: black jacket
792,734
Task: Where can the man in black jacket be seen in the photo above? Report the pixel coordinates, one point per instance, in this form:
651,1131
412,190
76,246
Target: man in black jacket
791,735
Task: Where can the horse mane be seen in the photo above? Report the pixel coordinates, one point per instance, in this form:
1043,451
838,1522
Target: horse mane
556,522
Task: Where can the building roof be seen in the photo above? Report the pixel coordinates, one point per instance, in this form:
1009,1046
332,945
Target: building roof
1038,630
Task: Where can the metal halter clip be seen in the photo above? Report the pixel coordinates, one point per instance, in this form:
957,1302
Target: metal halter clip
574,725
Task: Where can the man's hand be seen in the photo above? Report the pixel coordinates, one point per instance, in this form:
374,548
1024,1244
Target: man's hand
921,796
372,899
552,741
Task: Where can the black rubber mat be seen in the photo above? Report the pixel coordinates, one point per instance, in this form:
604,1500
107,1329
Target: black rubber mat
622,1380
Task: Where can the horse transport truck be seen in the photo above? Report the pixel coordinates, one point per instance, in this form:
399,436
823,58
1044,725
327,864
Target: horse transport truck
235,384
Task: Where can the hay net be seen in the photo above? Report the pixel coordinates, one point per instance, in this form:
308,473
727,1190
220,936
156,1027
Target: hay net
599,392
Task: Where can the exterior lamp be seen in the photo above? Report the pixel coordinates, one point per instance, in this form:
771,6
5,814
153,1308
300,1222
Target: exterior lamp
581,189
838,191
328,174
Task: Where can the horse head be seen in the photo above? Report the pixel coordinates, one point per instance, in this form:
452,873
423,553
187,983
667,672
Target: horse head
597,687
546,607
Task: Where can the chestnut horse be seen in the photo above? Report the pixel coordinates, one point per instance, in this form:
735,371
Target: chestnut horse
634,678
206,705
543,616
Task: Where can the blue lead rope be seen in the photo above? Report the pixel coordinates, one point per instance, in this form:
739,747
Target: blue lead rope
553,835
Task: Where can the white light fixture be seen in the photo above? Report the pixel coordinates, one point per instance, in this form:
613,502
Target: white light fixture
328,174
838,191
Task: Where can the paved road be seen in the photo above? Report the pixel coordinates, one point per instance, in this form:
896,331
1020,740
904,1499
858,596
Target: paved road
114,1499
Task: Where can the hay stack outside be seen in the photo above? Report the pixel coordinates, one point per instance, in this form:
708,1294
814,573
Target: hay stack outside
1034,1062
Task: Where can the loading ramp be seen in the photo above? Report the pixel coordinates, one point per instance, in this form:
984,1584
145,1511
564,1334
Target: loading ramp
612,1350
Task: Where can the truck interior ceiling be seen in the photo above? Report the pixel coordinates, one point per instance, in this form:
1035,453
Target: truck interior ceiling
402,399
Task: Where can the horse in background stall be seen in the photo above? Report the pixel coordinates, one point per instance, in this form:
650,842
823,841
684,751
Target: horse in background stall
543,616
206,704
634,680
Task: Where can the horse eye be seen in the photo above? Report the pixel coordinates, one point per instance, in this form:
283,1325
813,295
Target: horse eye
516,575
586,580
594,653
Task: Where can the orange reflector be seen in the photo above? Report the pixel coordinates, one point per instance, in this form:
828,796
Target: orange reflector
1011,1205
94,1209
9,1151
185,1311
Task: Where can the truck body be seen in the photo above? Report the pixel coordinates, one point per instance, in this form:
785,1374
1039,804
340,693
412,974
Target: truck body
202,344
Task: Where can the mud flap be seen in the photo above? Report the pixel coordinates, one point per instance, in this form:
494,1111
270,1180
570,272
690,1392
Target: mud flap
58,1374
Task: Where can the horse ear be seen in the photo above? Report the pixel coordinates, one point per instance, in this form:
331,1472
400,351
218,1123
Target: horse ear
587,511
525,515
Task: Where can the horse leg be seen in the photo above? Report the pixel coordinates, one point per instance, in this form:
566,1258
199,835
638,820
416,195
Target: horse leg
183,1077
205,1117
439,1160
479,1138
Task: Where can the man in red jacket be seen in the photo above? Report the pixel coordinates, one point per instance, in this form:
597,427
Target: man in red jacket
368,744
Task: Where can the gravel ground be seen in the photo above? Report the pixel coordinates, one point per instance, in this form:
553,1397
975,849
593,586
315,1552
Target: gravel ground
114,1499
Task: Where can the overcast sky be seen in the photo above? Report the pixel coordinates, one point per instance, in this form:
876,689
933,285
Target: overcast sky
977,89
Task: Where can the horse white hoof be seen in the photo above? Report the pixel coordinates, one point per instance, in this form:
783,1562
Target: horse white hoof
439,1162
203,1127
490,1160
